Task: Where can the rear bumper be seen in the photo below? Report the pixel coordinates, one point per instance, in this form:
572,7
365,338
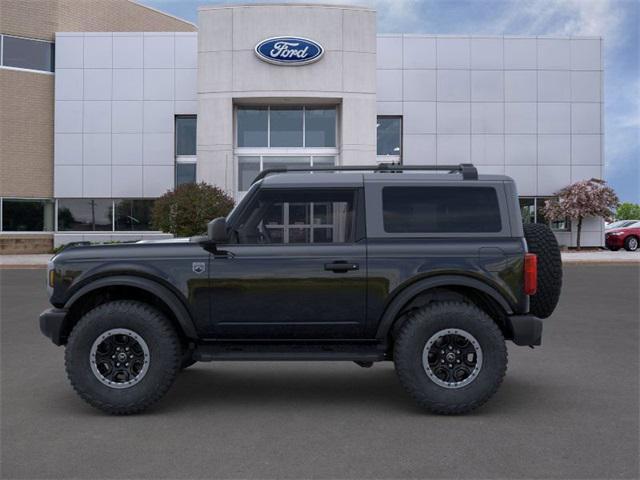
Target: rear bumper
527,329
53,325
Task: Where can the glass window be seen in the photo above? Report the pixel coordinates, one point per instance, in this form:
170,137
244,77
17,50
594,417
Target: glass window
84,214
284,161
26,215
563,225
286,127
440,210
25,53
248,169
253,126
528,210
133,215
185,173
186,135
320,127
324,161
302,216
389,133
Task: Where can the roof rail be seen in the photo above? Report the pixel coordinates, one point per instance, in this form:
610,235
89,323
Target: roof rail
468,171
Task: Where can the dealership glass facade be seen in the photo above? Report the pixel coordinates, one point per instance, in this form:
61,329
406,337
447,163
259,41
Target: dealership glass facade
283,136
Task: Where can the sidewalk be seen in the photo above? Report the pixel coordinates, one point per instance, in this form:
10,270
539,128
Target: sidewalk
599,257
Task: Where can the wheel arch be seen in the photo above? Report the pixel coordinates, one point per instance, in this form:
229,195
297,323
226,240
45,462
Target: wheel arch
125,287
477,292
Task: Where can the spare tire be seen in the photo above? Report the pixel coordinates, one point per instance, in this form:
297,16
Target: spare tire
542,242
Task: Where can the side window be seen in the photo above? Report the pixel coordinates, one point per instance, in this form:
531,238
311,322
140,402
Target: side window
440,210
298,216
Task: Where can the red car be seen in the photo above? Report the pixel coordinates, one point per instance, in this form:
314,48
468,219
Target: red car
627,237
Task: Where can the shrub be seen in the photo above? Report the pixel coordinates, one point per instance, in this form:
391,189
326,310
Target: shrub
186,210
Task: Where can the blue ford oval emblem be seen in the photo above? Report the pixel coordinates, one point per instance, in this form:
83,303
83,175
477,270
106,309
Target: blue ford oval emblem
289,50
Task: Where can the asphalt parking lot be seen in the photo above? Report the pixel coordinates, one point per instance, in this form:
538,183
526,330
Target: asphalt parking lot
566,410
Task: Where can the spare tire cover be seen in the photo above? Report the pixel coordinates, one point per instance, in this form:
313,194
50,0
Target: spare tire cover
542,242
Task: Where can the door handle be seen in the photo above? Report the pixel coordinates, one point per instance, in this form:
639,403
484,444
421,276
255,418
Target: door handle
341,266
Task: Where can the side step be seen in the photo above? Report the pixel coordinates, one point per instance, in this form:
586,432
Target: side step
355,352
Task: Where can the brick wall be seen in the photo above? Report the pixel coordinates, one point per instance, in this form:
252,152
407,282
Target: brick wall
26,116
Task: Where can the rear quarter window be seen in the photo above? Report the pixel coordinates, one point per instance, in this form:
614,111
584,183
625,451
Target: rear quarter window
440,210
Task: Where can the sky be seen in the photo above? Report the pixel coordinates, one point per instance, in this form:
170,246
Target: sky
617,21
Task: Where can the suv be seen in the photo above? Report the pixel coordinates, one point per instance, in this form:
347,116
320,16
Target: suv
431,271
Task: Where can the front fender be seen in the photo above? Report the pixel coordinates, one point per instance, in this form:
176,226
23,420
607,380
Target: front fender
172,301
405,295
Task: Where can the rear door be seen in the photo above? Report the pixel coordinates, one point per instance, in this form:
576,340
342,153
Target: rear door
297,269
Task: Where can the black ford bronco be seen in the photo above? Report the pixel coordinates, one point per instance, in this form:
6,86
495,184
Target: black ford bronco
433,271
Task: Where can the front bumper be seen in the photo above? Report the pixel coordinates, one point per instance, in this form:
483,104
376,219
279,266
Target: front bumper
526,329
53,325
614,241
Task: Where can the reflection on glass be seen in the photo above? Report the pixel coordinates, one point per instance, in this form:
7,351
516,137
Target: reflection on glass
286,127
252,126
133,215
528,210
248,169
84,214
320,127
389,133
280,162
299,235
185,173
299,213
26,53
186,135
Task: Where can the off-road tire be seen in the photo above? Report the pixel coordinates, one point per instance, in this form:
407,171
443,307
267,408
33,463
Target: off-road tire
542,242
165,354
410,342
628,244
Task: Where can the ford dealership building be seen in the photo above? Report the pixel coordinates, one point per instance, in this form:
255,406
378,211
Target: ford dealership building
137,112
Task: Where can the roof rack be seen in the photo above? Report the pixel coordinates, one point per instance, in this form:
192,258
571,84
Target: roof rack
468,171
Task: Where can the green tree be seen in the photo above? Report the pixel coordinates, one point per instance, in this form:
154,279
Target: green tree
186,210
628,211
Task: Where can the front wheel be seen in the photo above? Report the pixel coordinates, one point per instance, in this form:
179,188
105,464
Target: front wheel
631,244
451,357
122,356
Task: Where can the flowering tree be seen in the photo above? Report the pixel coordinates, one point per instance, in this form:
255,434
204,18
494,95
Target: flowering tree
586,198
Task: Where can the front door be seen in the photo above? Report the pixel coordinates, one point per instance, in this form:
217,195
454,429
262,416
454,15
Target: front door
296,268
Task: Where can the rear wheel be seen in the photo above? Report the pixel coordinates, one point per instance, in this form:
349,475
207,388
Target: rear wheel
542,242
122,356
631,244
451,357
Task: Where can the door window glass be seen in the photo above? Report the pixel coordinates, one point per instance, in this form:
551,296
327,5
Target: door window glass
298,216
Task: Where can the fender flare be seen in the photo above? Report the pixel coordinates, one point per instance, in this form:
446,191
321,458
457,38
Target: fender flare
407,293
176,306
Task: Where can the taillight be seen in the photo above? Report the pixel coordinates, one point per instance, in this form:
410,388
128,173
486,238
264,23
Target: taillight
530,273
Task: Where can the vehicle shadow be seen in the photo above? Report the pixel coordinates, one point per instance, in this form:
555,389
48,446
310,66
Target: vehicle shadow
216,385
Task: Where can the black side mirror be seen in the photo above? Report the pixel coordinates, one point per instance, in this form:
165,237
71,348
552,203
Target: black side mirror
217,230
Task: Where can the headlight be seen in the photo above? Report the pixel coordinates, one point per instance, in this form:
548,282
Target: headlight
616,233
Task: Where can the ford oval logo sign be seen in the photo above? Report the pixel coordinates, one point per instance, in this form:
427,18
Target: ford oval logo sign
289,51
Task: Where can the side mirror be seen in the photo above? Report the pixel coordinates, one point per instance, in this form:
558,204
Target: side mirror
217,230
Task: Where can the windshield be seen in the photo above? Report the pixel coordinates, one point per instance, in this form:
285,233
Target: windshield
622,224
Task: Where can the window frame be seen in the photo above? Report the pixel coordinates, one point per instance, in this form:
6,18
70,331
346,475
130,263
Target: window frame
22,69
536,200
